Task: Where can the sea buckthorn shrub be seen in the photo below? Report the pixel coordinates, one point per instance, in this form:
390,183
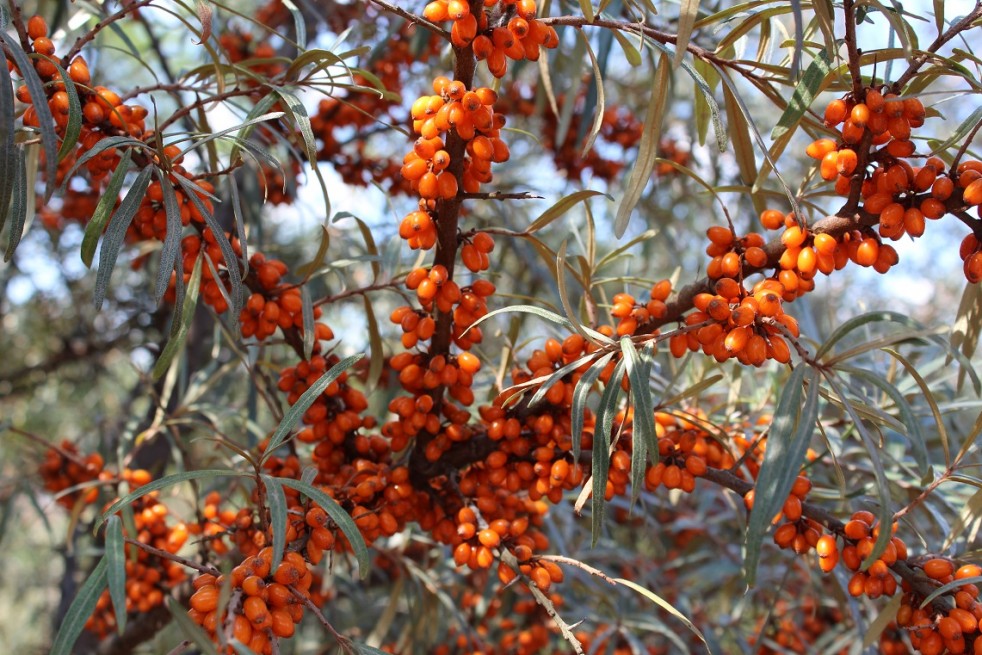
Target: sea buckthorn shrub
490,327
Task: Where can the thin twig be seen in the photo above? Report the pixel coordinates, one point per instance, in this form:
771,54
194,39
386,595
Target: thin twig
943,38
201,568
412,18
98,27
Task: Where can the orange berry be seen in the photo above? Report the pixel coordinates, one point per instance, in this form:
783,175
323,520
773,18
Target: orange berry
938,568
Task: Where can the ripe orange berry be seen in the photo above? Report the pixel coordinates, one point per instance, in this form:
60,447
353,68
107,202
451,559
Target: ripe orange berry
835,112
37,27
938,568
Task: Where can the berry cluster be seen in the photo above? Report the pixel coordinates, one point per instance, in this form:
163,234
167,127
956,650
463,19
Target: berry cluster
503,30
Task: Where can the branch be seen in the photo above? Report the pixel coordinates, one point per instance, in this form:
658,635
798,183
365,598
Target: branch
943,38
201,568
412,18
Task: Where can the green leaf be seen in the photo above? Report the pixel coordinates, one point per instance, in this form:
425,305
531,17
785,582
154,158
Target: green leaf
74,126
304,402
601,101
967,326
228,254
882,620
307,314
276,500
859,321
665,605
103,210
734,101
189,628
638,372
101,146
366,235
884,514
580,393
562,206
600,462
376,362
8,151
787,442
647,148
951,586
907,416
299,115
812,83
929,399
305,271
39,100
172,240
250,125
80,610
163,483
116,569
18,209
688,11
182,322
631,54
587,8
339,516
113,240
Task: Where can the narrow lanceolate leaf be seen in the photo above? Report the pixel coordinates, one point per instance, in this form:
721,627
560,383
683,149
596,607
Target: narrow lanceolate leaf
600,461
601,99
376,361
163,483
8,151
182,320
643,440
80,610
101,146
74,126
734,100
103,210
812,83
743,147
787,443
307,314
882,620
560,208
311,267
647,148
665,605
705,105
113,240
276,500
189,628
18,209
116,569
631,53
172,240
299,115
580,394
49,138
587,8
228,254
340,517
688,11
859,321
884,515
305,401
